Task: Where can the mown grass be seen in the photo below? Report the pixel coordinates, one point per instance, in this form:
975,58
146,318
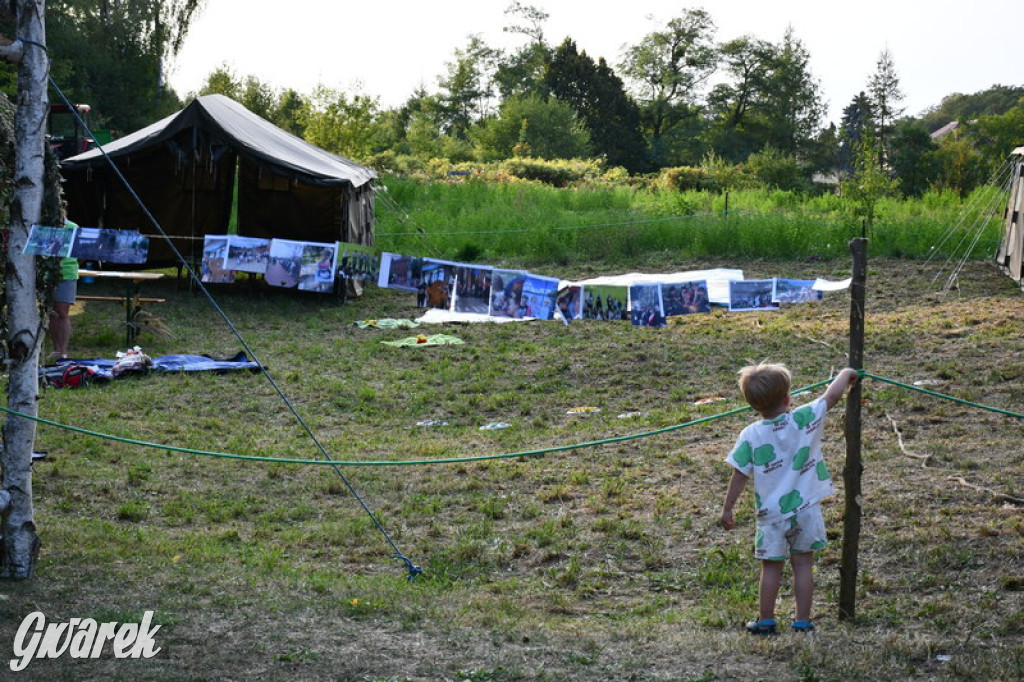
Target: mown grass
590,563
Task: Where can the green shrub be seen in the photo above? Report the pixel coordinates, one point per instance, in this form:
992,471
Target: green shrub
683,178
559,172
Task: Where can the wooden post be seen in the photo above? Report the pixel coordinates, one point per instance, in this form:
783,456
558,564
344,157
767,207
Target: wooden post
854,466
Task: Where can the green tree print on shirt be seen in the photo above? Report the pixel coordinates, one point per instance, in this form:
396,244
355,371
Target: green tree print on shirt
764,454
822,471
801,457
803,417
790,501
743,454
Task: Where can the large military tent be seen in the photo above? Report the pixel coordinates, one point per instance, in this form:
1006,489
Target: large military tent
185,169
1010,255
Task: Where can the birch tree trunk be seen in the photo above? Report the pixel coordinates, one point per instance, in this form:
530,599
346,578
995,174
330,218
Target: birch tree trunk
20,547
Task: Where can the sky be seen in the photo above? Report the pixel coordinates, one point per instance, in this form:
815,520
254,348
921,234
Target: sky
389,48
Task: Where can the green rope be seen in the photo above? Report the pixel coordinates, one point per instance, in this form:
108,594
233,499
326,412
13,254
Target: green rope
478,458
445,460
954,399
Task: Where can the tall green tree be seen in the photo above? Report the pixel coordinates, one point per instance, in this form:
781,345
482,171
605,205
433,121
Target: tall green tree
467,87
222,81
856,124
667,69
532,126
737,105
342,123
886,98
111,54
996,135
793,108
522,72
288,112
599,98
868,184
912,158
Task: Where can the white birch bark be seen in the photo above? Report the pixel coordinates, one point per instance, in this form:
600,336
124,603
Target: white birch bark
20,546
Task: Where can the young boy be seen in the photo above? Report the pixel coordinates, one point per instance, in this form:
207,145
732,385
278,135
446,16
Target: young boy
782,452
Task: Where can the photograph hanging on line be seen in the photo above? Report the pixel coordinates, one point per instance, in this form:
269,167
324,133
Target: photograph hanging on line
285,264
317,270
50,241
104,245
752,294
437,281
358,262
399,272
248,254
506,292
570,302
538,299
645,305
472,289
215,249
685,298
795,291
605,302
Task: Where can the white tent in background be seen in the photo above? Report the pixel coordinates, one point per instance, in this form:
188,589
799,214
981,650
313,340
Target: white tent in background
1010,255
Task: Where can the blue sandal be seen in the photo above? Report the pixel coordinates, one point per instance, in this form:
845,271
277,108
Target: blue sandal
765,626
803,626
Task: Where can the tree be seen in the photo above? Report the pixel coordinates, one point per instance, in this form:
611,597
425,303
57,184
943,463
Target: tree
869,183
600,100
793,109
668,68
288,112
34,189
856,124
341,123
532,126
522,72
735,104
222,81
111,55
961,168
994,101
886,95
912,158
467,87
996,135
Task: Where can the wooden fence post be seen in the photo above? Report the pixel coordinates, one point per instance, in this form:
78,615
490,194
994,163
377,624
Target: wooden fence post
854,466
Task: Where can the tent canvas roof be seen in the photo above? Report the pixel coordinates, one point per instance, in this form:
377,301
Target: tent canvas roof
246,133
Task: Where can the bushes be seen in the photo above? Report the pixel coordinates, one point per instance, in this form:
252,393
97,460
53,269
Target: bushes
559,172
685,178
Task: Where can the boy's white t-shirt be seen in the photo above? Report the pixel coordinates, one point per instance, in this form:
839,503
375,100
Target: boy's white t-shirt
783,455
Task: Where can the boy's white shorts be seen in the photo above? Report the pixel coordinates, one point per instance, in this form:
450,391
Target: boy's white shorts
802,532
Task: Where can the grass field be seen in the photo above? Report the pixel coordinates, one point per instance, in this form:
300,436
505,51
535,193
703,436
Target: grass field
596,563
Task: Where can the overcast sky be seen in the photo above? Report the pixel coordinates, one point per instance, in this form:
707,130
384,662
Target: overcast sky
388,48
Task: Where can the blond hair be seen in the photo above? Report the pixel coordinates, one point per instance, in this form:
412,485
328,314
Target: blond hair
765,386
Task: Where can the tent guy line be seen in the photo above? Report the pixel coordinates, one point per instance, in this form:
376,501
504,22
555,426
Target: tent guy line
481,458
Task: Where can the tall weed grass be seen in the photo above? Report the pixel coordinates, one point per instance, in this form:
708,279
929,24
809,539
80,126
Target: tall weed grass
534,223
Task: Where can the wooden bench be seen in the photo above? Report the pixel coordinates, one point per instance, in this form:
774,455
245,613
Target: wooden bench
120,299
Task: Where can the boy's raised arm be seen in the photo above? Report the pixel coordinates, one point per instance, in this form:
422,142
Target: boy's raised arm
843,381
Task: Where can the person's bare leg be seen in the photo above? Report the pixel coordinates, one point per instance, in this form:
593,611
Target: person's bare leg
803,583
60,328
768,588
